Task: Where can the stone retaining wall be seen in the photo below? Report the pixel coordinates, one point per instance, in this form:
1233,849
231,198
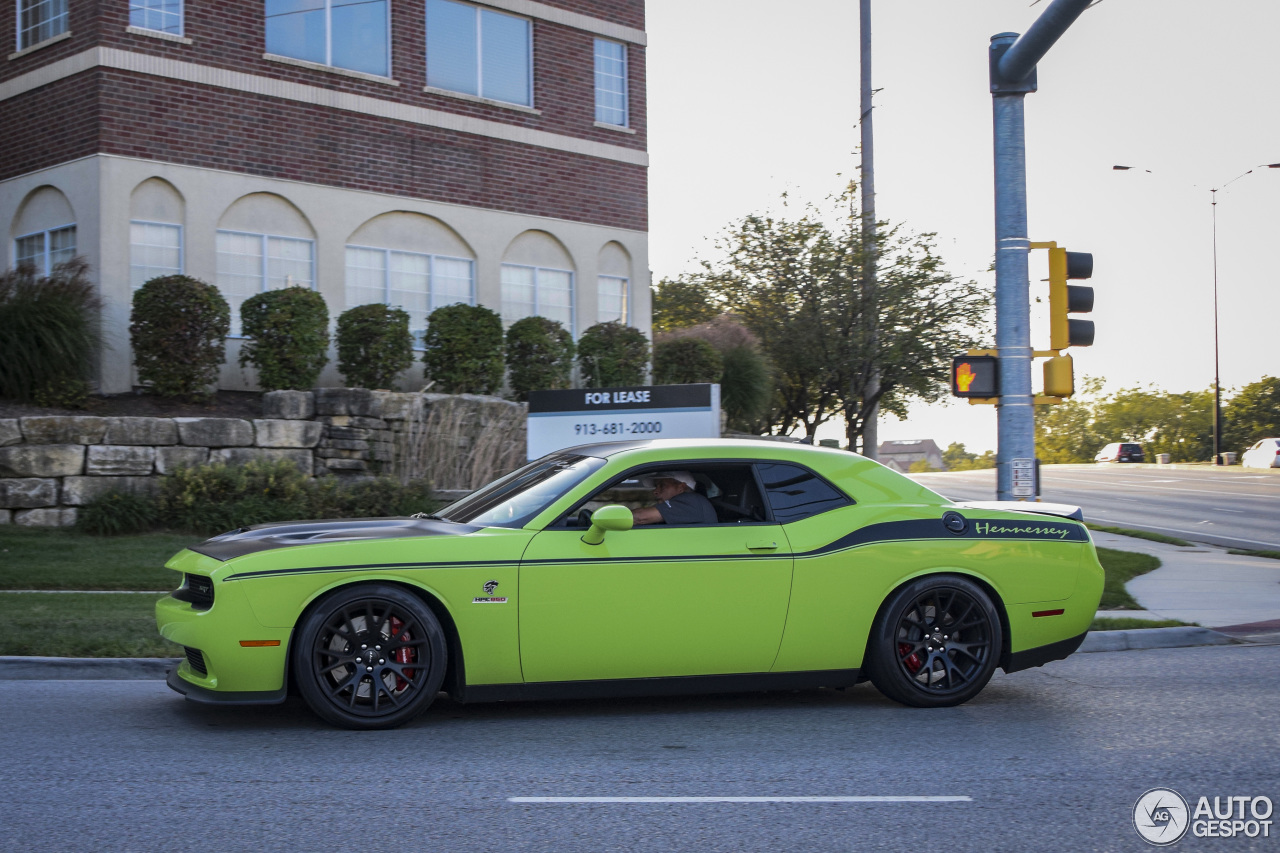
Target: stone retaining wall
50,464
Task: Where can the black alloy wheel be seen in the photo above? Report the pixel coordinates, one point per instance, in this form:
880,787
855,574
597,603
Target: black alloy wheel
936,643
371,656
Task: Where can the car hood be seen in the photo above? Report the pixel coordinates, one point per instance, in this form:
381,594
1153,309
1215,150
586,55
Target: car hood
289,534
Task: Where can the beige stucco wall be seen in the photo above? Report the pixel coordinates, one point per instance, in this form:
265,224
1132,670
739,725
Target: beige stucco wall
101,191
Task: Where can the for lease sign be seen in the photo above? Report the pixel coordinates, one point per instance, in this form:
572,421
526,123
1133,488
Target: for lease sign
560,419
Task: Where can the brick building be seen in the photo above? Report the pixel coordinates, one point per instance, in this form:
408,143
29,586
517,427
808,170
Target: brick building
414,152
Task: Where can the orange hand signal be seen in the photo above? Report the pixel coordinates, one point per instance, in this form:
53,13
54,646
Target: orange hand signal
965,377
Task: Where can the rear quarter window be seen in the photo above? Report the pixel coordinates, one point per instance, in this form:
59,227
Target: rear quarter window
795,493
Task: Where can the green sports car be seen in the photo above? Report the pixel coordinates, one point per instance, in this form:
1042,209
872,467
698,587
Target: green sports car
812,567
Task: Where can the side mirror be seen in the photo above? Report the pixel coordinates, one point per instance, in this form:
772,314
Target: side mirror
612,517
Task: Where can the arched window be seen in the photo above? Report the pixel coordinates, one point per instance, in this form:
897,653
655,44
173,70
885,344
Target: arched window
264,243
44,231
155,231
537,279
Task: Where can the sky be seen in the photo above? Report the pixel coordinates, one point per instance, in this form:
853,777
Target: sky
749,99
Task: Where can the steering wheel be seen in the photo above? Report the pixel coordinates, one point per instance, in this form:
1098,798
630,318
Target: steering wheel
584,517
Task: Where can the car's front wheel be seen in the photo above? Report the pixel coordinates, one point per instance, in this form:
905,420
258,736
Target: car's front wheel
936,643
371,656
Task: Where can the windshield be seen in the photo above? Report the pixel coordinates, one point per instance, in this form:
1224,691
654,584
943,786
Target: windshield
516,498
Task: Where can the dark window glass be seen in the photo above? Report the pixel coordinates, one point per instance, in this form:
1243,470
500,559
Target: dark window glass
796,493
516,498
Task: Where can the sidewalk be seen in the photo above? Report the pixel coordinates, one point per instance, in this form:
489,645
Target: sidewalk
1233,594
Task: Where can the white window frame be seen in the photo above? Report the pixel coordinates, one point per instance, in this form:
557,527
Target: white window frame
626,296
44,268
431,276
537,293
626,81
480,55
148,6
182,245
328,41
265,262
64,14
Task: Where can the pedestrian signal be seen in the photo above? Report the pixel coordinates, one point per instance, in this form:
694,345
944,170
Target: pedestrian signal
975,376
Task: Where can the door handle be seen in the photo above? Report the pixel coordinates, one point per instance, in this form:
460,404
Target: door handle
762,545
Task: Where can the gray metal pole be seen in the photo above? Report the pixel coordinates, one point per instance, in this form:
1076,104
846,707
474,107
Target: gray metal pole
1015,414
870,246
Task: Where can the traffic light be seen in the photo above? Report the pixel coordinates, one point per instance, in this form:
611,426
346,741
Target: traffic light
975,376
1059,377
1067,299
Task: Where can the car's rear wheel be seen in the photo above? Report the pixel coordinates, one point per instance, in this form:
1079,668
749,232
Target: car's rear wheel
371,656
936,643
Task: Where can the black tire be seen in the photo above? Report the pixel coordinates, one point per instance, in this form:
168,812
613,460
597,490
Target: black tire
936,643
371,656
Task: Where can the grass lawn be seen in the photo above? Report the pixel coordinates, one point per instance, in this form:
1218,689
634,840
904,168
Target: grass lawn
1140,534
1123,624
1122,566
33,558
1274,555
81,625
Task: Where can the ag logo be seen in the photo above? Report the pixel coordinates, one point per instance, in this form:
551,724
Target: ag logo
489,587
1161,816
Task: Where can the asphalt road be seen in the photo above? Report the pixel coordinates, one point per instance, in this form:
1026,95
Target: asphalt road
1236,507
1049,759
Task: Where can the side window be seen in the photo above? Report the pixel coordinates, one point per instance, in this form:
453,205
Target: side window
795,493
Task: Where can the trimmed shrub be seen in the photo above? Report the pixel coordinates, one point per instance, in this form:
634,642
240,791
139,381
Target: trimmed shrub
178,329
118,513
374,345
682,360
463,349
288,337
539,355
49,332
612,354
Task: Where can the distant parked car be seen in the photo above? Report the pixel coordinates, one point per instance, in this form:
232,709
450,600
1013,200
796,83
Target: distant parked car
1119,451
1264,454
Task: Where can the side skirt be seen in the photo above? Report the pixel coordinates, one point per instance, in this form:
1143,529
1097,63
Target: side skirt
1041,655
681,686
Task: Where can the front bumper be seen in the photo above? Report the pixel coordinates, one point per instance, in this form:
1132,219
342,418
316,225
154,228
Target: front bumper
205,696
216,661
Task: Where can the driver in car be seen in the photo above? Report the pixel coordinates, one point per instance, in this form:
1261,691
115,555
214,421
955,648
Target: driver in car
677,501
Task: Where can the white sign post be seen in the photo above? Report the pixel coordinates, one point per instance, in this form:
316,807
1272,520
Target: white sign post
560,419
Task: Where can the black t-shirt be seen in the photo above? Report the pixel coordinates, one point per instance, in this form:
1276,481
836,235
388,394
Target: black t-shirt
687,508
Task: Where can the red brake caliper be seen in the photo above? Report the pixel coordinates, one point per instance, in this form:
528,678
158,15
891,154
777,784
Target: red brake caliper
403,654
911,661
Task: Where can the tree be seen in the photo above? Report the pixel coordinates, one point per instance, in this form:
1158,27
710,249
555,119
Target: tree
677,361
682,302
956,458
1178,424
1253,413
1065,433
797,285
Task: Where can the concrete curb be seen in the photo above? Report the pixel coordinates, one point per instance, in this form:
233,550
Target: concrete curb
1153,638
15,668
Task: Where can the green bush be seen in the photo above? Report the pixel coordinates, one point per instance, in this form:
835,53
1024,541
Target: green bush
539,355
288,336
178,329
117,513
374,345
463,349
612,354
683,360
746,388
48,330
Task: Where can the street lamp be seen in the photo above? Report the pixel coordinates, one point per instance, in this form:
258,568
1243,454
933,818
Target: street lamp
1217,384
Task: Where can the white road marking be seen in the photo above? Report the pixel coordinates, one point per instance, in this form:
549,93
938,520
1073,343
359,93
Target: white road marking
1224,509
1057,479
626,800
